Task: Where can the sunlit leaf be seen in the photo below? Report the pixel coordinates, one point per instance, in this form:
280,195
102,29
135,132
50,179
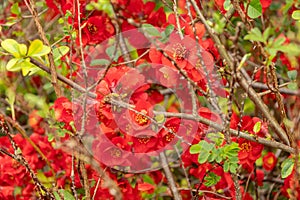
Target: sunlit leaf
211,179
151,30
257,127
59,52
12,47
296,15
254,9
287,167
14,64
255,35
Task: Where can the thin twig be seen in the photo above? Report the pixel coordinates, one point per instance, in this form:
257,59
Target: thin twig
169,176
32,9
264,141
241,80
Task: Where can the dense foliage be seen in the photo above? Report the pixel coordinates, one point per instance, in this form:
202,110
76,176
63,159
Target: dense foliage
141,99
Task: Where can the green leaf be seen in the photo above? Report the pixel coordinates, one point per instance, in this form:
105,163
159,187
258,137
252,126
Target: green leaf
11,97
287,6
203,156
267,33
217,138
233,168
110,52
22,49
226,166
254,9
15,9
254,35
291,49
59,52
212,157
194,149
50,137
28,68
211,179
231,150
99,62
66,194
169,29
37,48
292,74
14,64
160,118
287,167
151,30
227,5
278,42
293,86
12,47
205,151
257,127
148,179
166,33
296,15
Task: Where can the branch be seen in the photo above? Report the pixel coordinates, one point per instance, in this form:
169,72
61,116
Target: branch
169,176
32,9
241,80
266,142
263,141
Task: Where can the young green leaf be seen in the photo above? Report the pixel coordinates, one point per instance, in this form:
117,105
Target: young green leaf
28,68
35,47
60,52
292,74
99,62
254,9
257,127
151,30
296,15
255,35
203,156
267,33
211,179
15,9
287,167
14,64
12,47
227,5
293,86
194,149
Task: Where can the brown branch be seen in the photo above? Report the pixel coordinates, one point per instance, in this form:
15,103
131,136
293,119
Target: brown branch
19,128
169,176
18,156
31,7
263,141
241,80
73,146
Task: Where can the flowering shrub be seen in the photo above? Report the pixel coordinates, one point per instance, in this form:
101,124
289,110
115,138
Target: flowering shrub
133,99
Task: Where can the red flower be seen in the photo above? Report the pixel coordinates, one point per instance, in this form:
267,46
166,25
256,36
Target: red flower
96,30
63,111
145,142
269,161
114,152
35,122
259,177
291,182
249,152
167,137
